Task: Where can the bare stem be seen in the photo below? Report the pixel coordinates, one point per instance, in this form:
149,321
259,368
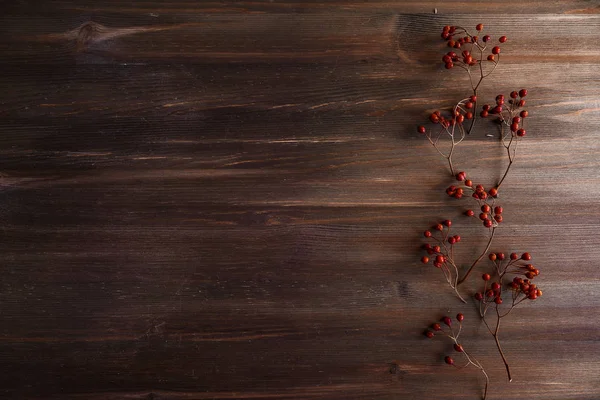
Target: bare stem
478,258
501,352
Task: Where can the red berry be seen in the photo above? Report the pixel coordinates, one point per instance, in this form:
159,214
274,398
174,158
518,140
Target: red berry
478,296
496,50
439,227
436,249
503,39
495,286
427,234
469,115
469,213
486,107
451,240
457,238
532,296
498,300
447,321
421,129
514,256
523,92
500,256
524,114
514,94
483,216
440,259
526,256
485,208
486,277
498,210
487,38
483,114
429,334
493,192
516,120
521,103
458,348
514,127
498,218
473,98
479,27
449,360
434,118
490,57
447,222
489,293
424,259
468,183
436,327
468,105
488,223
460,317
449,65
492,256
461,176
521,132
497,110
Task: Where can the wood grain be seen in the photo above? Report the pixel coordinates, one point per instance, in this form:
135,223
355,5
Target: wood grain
224,200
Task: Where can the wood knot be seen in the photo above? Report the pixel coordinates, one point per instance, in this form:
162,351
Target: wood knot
87,33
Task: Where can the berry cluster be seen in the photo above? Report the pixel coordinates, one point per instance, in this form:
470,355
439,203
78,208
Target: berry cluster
447,330
493,293
458,37
442,252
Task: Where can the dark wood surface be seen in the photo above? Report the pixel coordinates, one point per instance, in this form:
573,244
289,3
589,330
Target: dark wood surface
224,200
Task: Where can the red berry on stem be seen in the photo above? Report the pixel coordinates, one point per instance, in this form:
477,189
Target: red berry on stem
447,222
492,256
478,296
521,103
449,360
524,114
469,183
526,256
498,218
440,259
469,213
490,57
523,92
495,286
424,259
484,114
436,327
461,176
447,321
460,317
479,27
496,50
429,334
485,208
427,234
514,127
486,277
483,216
421,129
503,39
449,65
488,223
493,192
487,38
498,300
521,132
436,249
500,256
458,347
514,256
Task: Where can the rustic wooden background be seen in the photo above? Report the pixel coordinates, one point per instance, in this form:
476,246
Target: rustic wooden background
224,200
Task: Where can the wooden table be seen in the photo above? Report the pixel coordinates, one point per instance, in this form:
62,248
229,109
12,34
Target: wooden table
225,200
